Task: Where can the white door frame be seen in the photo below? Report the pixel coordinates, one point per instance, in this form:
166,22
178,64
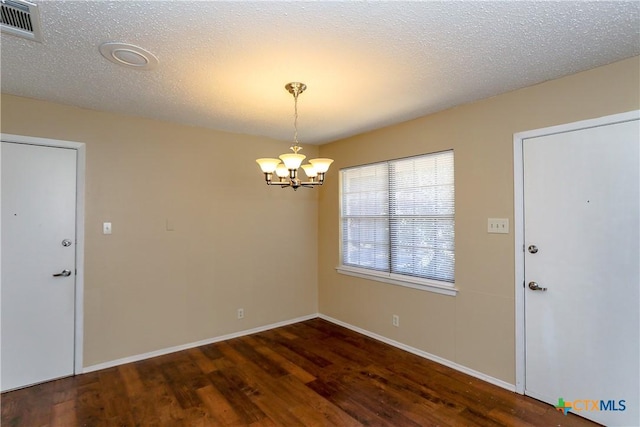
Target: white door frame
518,214
80,186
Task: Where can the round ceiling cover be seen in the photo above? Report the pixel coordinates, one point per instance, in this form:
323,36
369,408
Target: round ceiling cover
129,55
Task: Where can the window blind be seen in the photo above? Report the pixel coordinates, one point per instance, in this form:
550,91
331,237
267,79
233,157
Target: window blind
398,216
365,217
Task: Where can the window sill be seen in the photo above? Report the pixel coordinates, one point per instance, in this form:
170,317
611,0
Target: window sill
435,286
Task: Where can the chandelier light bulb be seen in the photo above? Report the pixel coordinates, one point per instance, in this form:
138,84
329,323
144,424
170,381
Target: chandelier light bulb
268,165
292,161
309,170
282,171
321,165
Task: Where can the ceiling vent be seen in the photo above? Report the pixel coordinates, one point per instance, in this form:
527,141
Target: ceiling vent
21,19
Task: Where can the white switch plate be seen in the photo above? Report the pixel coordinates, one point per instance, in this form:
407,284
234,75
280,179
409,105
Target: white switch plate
498,225
106,228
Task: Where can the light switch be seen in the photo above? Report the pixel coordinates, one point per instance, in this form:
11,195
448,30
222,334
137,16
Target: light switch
498,225
106,228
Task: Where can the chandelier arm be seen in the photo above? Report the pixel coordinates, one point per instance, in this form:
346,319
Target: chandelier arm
309,184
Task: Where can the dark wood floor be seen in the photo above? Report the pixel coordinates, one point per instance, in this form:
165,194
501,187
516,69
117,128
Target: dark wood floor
312,373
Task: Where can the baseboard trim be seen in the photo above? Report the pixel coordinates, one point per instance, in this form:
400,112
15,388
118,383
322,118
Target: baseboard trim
418,352
169,350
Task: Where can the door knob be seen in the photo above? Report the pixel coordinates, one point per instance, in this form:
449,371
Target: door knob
533,249
534,287
63,273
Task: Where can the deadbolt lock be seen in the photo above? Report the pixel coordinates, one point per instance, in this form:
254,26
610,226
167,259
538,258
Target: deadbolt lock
534,287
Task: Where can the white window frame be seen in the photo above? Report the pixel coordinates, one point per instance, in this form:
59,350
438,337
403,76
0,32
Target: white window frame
430,285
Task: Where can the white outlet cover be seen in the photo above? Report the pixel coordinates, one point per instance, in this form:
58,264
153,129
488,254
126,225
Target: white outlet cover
106,228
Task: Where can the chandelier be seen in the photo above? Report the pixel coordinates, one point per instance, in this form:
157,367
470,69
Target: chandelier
287,171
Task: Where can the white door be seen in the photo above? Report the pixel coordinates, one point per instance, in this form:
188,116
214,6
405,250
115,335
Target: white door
38,242
581,212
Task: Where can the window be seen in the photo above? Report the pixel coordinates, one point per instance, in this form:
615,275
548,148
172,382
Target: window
397,220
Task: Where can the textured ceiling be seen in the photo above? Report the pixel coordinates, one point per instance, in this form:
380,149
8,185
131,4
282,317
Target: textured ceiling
223,65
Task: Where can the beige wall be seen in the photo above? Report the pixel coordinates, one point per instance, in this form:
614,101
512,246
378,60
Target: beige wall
237,243
147,288
475,328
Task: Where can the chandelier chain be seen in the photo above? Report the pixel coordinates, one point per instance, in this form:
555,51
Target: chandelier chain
295,119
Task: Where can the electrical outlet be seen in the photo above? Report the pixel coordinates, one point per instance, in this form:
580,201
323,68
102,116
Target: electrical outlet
241,313
106,228
395,320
